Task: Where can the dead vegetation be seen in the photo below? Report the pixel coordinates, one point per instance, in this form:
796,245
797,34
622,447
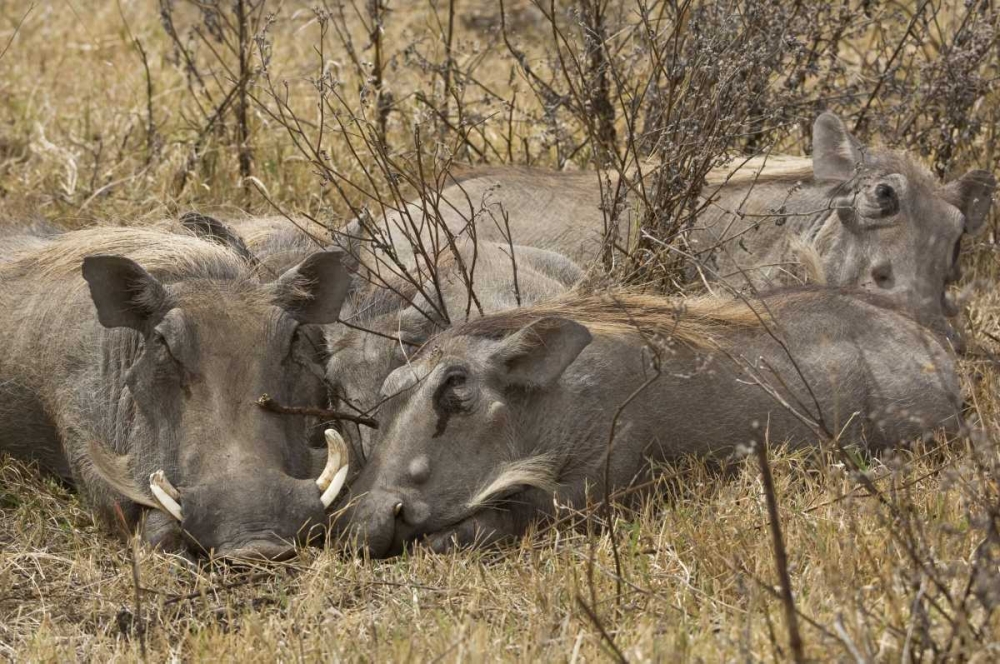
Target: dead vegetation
131,112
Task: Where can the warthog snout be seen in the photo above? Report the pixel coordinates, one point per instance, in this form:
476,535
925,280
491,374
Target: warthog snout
381,522
262,519
252,513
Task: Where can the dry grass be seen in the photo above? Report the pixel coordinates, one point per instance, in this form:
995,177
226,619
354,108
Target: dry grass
874,579
698,569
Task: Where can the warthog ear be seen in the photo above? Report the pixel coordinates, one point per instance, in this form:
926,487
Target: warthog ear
835,151
314,290
125,294
214,230
539,353
973,195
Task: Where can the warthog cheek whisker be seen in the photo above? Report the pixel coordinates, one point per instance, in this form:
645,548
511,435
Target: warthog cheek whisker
537,471
166,494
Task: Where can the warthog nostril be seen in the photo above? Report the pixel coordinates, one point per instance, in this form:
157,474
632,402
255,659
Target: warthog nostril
882,276
397,509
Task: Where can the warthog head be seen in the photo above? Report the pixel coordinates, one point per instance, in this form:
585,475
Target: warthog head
226,477
902,228
447,446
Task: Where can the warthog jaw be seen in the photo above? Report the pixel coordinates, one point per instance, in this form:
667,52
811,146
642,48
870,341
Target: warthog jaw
166,494
332,479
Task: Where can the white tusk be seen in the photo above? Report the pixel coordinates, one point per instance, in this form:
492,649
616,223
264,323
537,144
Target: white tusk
331,491
160,479
336,451
166,494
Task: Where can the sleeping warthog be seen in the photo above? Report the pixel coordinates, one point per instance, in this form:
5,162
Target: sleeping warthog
137,380
497,418
875,218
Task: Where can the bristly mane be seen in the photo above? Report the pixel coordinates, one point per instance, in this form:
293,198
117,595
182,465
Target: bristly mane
761,170
740,171
700,322
704,322
784,168
167,256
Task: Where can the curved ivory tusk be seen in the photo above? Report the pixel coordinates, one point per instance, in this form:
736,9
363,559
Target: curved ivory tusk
166,494
331,491
336,452
397,509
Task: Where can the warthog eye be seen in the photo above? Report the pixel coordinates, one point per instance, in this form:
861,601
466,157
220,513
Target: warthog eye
160,342
456,379
451,396
886,199
884,192
165,361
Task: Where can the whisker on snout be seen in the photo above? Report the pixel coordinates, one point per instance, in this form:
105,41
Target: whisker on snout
166,494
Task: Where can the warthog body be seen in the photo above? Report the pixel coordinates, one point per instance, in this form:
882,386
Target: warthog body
152,360
496,419
861,217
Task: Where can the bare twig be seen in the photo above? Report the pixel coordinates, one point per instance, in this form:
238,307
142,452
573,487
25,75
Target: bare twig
17,29
615,651
778,545
267,403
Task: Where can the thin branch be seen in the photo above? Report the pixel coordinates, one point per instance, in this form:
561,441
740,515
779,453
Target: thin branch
267,403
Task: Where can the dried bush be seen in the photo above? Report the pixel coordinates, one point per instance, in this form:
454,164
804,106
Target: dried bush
349,110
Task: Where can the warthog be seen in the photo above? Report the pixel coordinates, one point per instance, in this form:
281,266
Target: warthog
861,216
496,419
136,379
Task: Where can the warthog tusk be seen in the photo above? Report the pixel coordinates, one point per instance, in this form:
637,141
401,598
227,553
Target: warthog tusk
331,491
332,479
336,449
397,509
166,494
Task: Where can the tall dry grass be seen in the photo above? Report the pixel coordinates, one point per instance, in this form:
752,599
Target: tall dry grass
109,117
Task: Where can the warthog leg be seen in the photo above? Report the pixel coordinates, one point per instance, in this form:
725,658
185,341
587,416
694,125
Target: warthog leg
332,479
166,494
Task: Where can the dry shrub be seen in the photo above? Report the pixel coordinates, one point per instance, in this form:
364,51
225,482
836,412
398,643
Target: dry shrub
348,109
